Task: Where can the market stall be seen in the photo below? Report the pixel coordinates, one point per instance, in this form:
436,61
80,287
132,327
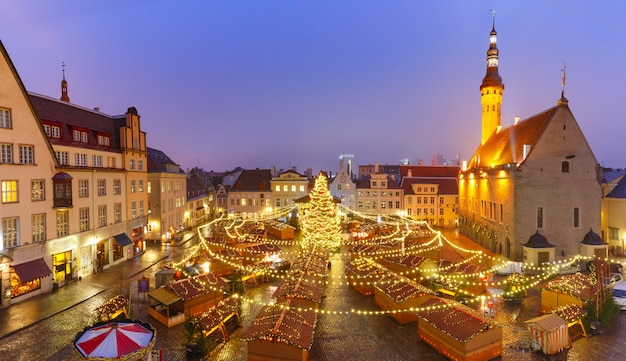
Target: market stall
549,333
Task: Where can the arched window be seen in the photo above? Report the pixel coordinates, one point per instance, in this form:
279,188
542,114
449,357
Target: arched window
565,166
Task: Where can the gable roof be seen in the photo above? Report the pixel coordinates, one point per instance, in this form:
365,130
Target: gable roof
255,180
446,185
429,171
619,191
158,161
507,146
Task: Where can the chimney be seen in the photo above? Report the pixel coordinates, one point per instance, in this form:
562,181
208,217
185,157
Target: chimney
525,152
516,120
96,109
498,128
409,173
376,168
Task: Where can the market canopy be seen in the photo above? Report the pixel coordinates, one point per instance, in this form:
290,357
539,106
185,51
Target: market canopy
122,239
131,340
31,270
164,296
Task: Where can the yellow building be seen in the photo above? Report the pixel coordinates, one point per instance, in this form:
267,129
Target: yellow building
537,175
167,191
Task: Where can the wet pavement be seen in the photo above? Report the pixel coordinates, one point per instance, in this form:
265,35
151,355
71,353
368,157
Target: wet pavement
44,327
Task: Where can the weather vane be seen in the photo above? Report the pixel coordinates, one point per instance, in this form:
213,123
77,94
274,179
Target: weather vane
563,77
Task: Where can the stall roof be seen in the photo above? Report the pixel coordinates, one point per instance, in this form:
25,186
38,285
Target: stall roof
165,296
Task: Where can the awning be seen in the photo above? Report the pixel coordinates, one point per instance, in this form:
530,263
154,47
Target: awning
31,270
164,296
122,239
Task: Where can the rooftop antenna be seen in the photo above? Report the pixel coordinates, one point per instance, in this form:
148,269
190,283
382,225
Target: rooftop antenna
493,21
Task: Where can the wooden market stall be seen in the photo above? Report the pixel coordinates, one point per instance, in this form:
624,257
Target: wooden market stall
309,293
395,294
174,303
549,333
216,317
280,332
575,289
458,332
410,265
113,308
362,273
279,230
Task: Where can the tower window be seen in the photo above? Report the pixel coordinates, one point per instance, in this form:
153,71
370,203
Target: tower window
565,166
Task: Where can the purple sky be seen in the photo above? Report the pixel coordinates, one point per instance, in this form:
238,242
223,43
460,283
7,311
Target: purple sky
263,83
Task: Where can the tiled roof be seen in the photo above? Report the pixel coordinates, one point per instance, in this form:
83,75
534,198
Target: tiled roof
506,146
429,171
619,191
255,180
446,185
158,161
365,183
282,324
68,114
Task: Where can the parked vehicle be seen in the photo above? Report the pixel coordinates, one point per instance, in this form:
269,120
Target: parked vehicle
619,294
509,267
611,281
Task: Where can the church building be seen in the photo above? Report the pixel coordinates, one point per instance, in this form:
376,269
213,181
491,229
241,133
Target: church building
537,179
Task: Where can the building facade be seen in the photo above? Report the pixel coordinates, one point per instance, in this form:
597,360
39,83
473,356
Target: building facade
250,196
167,191
64,190
378,194
342,186
538,176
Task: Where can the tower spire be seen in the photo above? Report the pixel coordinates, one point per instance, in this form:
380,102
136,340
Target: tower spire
492,88
64,95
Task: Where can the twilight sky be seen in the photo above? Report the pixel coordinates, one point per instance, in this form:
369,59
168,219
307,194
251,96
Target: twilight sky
260,83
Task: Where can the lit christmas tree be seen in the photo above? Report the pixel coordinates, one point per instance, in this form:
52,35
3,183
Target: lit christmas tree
320,221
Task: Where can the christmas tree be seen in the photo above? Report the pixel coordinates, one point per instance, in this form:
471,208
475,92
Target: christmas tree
319,220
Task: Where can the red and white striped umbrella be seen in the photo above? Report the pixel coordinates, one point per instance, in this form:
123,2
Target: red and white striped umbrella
114,340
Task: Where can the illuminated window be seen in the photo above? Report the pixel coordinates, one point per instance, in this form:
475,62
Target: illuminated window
38,227
9,191
133,210
140,187
37,190
133,186
10,234
277,188
140,208
62,225
293,188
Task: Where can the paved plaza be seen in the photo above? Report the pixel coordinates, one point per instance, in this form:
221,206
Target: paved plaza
340,334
